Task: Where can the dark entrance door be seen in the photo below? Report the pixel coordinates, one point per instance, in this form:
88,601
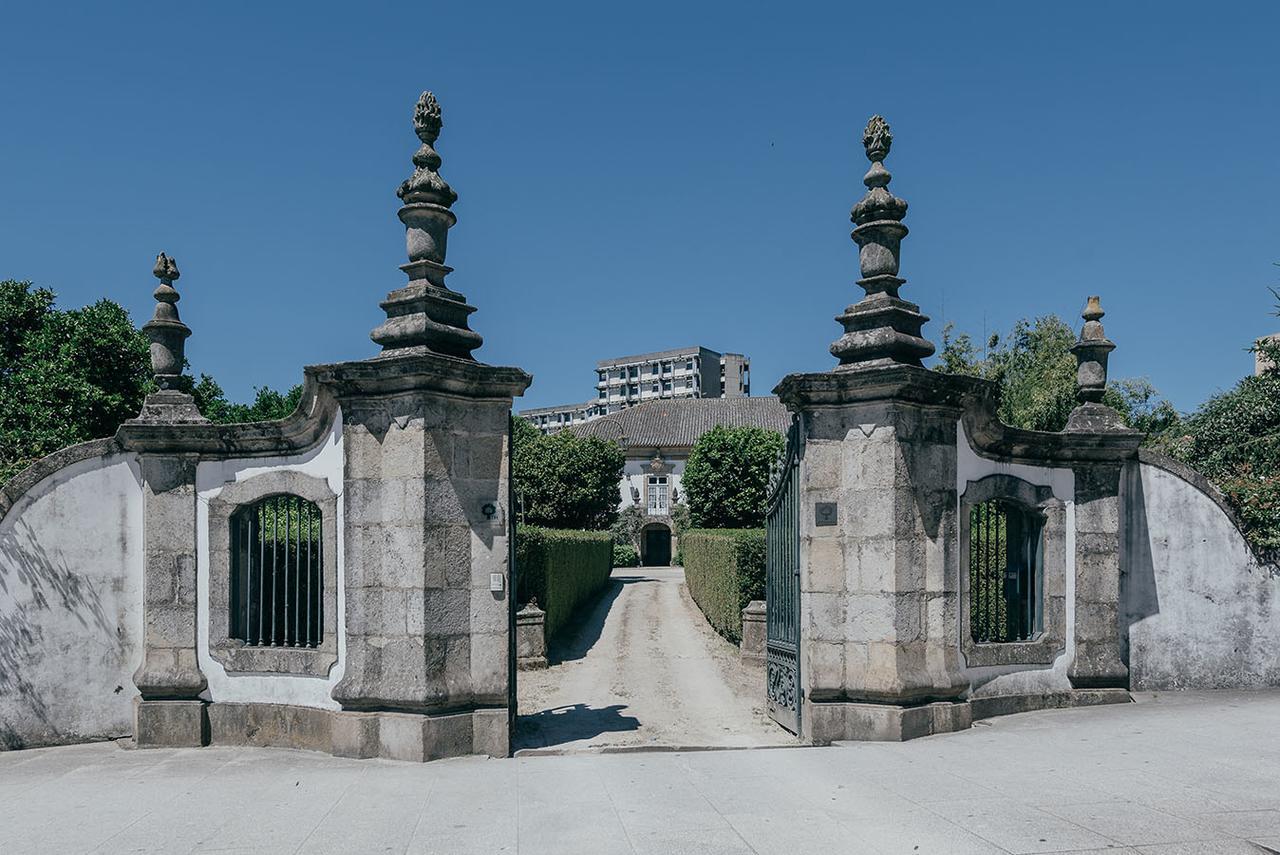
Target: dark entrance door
782,585
657,546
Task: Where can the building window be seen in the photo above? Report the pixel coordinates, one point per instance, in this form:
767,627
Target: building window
277,586
688,384
666,385
689,365
634,391
1006,572
658,504
655,388
603,393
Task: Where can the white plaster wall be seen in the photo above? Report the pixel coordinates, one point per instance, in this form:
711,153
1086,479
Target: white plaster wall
1202,612
71,605
637,469
323,461
1022,679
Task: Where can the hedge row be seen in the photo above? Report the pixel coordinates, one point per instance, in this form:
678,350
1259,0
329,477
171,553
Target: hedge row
724,569
563,569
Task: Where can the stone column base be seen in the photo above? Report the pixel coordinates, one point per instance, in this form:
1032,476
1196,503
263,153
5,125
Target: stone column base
846,721
344,733
754,630
170,724
989,707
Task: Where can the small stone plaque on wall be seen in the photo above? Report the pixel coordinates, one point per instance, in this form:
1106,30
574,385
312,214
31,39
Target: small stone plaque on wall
824,513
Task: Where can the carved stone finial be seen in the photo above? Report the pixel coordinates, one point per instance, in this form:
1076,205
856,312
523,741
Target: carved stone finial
882,328
426,313
1091,352
877,138
166,330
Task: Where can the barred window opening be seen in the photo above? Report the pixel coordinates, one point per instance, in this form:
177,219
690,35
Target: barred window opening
277,586
1005,572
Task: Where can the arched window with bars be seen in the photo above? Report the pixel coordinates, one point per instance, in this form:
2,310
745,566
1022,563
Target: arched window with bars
1006,571
277,579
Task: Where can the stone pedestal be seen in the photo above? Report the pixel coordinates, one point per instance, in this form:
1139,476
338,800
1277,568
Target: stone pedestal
1098,661
426,517
754,632
531,638
879,588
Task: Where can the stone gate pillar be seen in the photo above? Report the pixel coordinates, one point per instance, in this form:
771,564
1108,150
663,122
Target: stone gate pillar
425,434
169,711
1098,662
879,587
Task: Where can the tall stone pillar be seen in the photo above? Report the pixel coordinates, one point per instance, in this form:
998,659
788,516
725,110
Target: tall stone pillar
879,587
426,512
170,711
1098,661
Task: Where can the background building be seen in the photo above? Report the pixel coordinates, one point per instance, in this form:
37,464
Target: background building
657,437
682,372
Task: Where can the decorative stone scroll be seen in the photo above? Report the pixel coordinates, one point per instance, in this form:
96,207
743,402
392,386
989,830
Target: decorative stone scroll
881,329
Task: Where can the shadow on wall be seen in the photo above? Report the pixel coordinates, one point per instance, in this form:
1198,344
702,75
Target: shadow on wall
1140,595
26,564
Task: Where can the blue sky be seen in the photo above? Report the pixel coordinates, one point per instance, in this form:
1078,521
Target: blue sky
651,175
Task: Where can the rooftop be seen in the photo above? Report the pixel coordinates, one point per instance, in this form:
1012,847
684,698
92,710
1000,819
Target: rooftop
659,354
680,421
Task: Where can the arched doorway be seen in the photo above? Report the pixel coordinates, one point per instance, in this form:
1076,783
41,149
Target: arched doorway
655,545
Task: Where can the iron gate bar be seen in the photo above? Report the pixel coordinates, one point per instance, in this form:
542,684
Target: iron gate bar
782,580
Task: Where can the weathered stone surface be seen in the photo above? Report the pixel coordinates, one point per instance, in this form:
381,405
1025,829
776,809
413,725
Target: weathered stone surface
863,722
752,648
170,724
531,641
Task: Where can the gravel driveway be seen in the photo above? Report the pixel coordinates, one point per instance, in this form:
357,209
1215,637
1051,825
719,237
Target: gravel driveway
644,669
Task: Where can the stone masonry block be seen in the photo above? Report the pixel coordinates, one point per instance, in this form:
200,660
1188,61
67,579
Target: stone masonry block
489,732
170,724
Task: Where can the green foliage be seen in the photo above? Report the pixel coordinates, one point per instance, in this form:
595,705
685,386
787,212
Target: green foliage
625,555
66,375
626,528
679,518
562,569
565,480
726,479
1035,373
724,569
267,405
1233,439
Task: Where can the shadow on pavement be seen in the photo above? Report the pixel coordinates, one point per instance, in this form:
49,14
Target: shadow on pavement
579,637
568,724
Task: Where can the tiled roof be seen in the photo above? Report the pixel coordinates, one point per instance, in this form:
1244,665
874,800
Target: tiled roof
680,421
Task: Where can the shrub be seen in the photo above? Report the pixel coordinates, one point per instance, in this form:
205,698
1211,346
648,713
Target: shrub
625,555
565,480
726,480
724,569
563,569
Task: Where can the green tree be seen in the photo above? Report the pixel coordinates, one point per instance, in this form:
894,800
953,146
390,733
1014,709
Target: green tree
268,404
71,375
66,376
1035,373
565,480
726,479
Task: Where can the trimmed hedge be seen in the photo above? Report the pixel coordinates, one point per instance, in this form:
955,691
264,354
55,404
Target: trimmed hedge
724,569
625,555
564,569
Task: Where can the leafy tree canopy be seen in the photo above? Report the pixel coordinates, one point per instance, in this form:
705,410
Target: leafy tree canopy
71,375
1035,373
726,479
66,375
564,480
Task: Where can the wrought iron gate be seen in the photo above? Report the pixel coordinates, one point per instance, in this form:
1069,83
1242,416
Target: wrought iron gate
782,584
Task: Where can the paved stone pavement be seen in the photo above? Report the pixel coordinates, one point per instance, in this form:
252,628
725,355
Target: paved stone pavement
645,668
1174,773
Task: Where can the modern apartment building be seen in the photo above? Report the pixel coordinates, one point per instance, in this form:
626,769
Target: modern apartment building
682,372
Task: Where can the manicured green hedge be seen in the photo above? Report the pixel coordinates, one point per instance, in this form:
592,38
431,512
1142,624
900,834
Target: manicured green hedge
724,569
564,569
625,555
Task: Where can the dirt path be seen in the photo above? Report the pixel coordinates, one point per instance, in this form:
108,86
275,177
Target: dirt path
644,669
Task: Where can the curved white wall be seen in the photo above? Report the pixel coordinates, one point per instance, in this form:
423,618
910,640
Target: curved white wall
323,461
71,605
1201,611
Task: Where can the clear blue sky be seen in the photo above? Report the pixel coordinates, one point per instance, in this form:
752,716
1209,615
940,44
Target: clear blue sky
641,176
